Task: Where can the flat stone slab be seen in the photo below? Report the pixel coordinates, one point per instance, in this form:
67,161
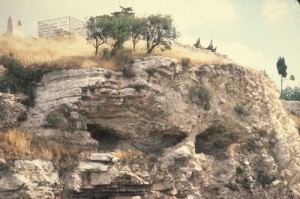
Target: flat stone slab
103,157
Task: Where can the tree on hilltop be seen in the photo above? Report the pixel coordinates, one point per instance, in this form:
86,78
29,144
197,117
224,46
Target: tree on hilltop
159,31
122,22
118,27
98,30
281,68
137,30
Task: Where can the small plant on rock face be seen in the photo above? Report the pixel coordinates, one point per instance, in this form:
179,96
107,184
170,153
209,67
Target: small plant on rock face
200,94
240,109
57,120
128,72
108,74
239,170
185,62
150,71
19,79
264,179
173,64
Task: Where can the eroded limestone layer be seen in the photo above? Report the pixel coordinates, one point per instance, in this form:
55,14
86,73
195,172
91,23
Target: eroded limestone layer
210,131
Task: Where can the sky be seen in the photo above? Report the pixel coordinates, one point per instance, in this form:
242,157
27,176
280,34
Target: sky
253,33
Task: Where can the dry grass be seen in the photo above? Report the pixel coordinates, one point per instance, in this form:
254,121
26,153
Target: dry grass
179,52
77,52
128,153
67,52
17,144
23,145
196,56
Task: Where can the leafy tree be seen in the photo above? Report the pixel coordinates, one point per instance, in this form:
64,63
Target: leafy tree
115,27
291,94
121,26
281,68
118,27
159,31
98,30
137,30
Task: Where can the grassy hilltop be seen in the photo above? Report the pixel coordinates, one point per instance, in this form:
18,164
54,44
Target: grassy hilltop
77,52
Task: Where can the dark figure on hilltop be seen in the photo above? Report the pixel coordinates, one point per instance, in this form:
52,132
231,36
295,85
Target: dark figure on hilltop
198,44
211,47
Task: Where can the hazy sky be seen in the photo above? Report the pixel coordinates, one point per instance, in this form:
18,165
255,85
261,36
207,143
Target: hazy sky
251,32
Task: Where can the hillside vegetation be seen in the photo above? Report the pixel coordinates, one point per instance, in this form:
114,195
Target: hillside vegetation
77,52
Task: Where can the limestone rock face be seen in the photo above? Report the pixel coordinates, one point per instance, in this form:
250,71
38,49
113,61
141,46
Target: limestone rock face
11,111
29,179
292,107
210,131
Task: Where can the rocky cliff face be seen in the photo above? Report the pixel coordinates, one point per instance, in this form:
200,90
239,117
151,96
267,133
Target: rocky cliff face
292,107
167,131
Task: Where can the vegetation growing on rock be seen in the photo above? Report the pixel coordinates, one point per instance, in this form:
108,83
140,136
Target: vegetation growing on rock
19,79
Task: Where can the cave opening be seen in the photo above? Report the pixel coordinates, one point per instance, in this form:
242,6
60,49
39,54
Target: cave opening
107,138
215,141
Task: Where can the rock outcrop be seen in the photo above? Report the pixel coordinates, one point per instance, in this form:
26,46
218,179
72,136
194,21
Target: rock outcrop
29,179
292,107
210,131
12,112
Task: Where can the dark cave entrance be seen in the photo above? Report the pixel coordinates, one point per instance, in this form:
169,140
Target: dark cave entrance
107,138
215,141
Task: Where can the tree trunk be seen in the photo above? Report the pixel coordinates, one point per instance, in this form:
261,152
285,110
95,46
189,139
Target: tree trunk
152,47
281,88
133,46
96,52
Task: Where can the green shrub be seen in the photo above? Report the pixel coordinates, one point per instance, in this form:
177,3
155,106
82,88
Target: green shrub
57,120
185,62
128,72
66,166
240,109
108,74
200,94
122,57
150,71
173,64
264,179
106,54
21,79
